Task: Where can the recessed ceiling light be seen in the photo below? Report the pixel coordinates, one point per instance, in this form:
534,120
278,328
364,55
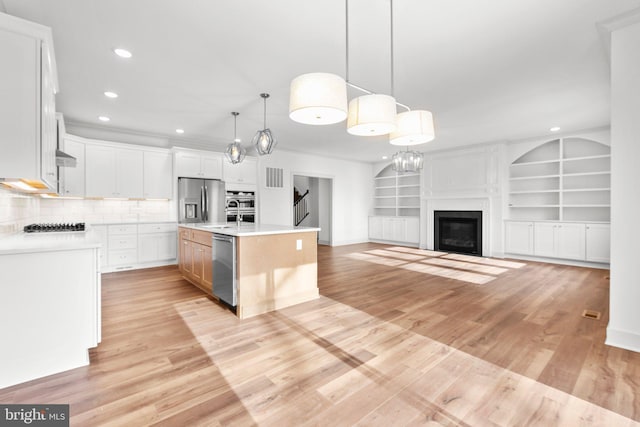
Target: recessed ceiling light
123,53
385,157
110,94
179,130
555,129
103,118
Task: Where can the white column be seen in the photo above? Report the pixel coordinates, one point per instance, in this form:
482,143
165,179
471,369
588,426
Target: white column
624,323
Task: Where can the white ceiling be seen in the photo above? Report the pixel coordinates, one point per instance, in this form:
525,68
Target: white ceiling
489,70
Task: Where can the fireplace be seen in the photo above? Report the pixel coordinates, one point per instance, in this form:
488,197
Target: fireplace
458,231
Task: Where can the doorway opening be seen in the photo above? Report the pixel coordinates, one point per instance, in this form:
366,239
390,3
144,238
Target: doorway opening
312,198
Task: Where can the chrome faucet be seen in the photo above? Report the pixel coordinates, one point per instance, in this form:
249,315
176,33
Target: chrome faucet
238,215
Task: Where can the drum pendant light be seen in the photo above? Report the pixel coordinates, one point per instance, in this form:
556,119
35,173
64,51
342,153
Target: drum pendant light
263,140
371,115
318,99
412,128
235,152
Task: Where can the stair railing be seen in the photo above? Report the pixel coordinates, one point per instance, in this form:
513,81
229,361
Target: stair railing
300,208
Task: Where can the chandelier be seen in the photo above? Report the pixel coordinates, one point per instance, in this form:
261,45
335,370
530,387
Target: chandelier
407,161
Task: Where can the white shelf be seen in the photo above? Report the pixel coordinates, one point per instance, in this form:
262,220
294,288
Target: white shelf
580,191
393,190
534,191
521,178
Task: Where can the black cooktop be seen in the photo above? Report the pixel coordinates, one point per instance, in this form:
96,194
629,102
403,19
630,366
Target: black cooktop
45,228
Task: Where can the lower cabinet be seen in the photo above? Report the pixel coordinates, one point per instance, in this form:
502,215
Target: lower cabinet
566,240
395,229
195,261
132,246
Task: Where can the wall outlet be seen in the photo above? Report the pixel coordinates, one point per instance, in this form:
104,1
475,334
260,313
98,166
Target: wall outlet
299,244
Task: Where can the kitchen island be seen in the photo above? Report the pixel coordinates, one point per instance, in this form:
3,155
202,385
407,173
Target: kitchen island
276,266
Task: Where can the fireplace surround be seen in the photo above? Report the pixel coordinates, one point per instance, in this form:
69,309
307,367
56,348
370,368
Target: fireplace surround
458,231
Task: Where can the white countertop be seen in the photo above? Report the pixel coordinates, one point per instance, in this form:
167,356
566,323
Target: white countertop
248,229
45,242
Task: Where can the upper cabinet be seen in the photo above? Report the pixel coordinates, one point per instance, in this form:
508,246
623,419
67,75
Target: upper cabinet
567,179
241,173
158,177
28,84
198,164
112,170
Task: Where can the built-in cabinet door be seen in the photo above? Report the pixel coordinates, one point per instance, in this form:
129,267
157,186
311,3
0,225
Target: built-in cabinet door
48,122
545,239
186,256
519,237
597,246
129,173
198,261
188,165
100,171
211,167
241,173
103,237
157,179
207,268
73,178
570,241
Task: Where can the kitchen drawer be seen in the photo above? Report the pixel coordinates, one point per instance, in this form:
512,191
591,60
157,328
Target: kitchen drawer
156,228
127,257
185,233
124,241
202,237
123,229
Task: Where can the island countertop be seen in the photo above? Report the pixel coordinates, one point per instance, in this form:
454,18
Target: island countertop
248,229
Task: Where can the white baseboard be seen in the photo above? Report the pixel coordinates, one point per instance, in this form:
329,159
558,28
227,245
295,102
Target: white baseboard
623,339
350,242
391,242
557,261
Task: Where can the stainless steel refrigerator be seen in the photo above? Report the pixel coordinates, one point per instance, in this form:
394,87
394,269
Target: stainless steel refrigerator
201,200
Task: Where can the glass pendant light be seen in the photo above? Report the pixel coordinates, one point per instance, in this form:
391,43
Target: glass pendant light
235,152
407,161
263,140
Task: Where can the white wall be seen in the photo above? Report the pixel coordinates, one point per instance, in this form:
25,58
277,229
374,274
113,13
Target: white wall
324,211
624,318
351,194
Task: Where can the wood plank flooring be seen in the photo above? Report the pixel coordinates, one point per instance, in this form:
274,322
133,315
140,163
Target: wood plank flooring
399,337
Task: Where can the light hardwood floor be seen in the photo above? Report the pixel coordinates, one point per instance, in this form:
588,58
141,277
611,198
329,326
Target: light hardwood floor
399,336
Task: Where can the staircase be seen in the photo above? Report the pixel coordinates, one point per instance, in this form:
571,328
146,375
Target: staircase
300,208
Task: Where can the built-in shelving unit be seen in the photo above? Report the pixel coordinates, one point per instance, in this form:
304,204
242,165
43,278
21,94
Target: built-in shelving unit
396,194
567,179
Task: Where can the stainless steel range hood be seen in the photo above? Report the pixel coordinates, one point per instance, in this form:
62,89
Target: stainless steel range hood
65,160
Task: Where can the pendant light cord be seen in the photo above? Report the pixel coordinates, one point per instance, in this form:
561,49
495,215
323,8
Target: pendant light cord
264,122
391,43
346,25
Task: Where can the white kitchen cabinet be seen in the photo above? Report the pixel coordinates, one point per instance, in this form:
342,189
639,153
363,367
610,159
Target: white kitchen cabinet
157,242
113,172
72,178
597,245
123,246
245,172
198,164
103,236
54,306
28,83
519,237
157,175
560,240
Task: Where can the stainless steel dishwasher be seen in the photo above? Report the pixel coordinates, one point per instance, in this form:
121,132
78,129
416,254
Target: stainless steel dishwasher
224,268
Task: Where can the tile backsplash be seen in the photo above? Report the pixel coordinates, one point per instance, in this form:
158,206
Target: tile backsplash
18,210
